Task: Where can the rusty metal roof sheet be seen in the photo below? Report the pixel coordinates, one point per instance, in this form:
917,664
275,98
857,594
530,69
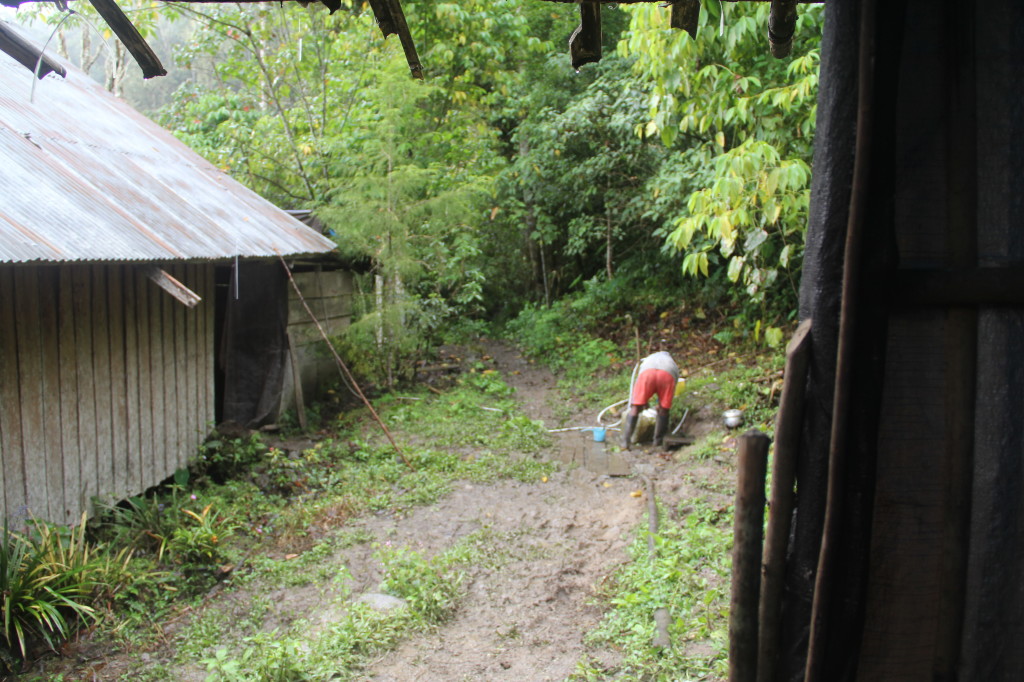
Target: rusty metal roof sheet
84,177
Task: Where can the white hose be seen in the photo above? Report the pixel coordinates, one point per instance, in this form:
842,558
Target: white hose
600,415
613,405
632,382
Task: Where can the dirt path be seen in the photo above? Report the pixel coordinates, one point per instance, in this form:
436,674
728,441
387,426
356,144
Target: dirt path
527,619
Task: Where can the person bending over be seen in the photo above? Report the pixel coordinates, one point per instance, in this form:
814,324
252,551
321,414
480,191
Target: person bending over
658,374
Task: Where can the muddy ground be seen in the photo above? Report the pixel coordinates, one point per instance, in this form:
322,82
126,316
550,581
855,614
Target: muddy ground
562,538
527,621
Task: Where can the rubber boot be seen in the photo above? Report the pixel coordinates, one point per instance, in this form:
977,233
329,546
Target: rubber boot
627,430
660,427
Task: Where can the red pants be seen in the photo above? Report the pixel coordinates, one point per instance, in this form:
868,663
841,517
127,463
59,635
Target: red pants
653,381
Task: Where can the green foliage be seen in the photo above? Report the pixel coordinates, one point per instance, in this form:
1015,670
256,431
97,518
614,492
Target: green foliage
505,178
142,523
749,386
689,577
488,382
385,345
400,170
221,458
557,335
199,540
430,587
743,122
267,657
481,412
48,575
739,216
573,183
163,526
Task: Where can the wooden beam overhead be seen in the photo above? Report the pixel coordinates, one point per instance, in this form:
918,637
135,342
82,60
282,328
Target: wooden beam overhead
27,54
126,32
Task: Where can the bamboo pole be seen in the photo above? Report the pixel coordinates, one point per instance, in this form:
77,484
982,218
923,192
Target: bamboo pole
746,555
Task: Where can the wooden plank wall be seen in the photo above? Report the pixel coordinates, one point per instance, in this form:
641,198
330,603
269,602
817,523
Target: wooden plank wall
329,295
106,384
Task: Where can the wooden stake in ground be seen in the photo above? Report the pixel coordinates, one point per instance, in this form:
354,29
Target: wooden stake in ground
661,614
752,458
342,368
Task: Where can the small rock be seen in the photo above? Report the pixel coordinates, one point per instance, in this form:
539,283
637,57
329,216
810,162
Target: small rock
382,602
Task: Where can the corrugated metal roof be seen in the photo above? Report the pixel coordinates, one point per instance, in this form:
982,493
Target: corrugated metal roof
84,177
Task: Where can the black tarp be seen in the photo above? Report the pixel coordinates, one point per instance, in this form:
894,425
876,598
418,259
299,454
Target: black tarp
254,344
927,535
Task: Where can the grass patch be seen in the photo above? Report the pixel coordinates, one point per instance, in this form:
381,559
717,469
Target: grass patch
430,588
689,577
753,386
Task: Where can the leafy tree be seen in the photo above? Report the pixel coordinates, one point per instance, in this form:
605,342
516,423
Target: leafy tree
505,176
317,111
575,183
742,122
410,202
283,90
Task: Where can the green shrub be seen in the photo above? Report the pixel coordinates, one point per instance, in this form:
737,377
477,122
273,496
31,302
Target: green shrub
559,337
199,540
47,578
689,576
143,523
222,458
431,587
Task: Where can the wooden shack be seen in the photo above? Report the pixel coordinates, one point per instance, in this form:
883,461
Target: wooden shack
107,380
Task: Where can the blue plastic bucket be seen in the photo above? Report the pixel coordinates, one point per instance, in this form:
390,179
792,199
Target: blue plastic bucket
599,434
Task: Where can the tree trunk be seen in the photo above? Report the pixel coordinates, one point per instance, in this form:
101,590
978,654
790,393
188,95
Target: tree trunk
608,244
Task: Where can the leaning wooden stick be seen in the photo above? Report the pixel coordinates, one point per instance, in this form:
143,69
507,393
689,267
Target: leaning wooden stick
341,364
787,442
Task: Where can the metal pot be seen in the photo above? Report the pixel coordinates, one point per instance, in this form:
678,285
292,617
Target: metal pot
732,418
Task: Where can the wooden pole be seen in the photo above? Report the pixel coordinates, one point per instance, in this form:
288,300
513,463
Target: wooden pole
746,555
781,27
27,54
125,30
662,618
787,442
585,41
839,450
